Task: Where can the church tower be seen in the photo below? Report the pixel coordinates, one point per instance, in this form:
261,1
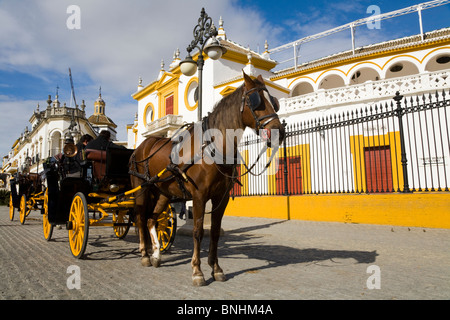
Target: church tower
99,104
99,120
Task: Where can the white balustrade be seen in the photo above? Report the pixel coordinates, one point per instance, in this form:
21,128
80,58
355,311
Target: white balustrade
367,92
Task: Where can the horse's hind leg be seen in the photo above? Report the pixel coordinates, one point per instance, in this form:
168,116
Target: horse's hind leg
161,205
144,239
218,209
143,202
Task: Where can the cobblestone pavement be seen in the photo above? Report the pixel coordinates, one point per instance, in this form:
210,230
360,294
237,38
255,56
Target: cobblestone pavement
262,258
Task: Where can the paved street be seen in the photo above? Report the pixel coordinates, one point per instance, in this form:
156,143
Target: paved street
262,258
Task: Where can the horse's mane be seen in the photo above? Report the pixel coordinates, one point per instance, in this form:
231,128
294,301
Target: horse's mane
226,113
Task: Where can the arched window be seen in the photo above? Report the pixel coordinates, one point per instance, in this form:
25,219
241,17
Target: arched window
363,75
401,69
331,81
438,62
301,89
55,143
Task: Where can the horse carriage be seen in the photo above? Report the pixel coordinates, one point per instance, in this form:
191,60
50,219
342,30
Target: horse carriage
128,187
29,196
97,195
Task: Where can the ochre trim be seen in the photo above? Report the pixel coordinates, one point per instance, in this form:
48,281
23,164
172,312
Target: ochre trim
186,100
374,55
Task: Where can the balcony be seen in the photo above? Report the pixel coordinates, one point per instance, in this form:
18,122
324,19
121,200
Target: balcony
366,93
165,126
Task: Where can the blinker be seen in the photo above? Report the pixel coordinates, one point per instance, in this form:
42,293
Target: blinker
254,101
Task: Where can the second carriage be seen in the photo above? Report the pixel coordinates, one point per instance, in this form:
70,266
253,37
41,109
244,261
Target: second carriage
28,192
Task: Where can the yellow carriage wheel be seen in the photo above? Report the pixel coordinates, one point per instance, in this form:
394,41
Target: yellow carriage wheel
23,208
122,230
78,225
11,208
46,225
166,228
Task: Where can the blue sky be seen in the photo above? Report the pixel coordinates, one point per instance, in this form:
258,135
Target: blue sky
120,41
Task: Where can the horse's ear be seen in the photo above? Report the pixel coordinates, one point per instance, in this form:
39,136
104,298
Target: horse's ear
260,78
248,81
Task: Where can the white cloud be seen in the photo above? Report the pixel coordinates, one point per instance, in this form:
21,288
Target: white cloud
118,41
15,116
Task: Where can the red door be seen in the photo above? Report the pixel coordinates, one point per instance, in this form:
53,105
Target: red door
169,105
378,169
294,176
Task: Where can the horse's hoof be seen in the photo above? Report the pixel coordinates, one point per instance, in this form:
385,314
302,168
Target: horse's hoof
219,277
156,262
198,281
145,262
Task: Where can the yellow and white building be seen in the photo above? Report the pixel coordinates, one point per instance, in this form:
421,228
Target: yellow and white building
338,83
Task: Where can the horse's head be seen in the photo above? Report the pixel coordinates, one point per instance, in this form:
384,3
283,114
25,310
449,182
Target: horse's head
259,109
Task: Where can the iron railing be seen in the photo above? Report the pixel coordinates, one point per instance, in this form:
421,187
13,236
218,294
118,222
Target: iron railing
402,145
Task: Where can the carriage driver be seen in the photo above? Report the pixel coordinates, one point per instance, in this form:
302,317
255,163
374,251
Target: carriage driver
72,166
102,142
81,147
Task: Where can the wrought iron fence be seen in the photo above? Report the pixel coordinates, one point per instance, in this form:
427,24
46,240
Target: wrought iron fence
398,146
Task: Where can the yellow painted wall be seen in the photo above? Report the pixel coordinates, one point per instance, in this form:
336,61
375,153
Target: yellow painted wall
275,207
430,210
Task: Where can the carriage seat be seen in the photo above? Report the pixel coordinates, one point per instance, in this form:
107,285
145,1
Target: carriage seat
112,163
36,181
98,158
35,177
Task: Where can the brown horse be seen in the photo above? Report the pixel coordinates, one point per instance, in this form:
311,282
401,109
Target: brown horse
197,177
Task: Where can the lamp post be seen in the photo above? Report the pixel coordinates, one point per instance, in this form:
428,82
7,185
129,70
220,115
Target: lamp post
205,41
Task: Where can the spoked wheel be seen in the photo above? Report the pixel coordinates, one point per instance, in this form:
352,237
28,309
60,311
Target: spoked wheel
46,225
78,225
166,228
121,218
11,208
23,209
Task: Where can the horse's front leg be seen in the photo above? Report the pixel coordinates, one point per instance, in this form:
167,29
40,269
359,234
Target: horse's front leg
155,258
199,211
218,209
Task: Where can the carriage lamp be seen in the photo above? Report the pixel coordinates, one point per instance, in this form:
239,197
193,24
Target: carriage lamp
205,41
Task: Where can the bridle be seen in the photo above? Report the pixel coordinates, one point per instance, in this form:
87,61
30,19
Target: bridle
252,99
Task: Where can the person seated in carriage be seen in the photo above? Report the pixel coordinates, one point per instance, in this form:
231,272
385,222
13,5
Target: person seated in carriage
102,142
81,147
73,156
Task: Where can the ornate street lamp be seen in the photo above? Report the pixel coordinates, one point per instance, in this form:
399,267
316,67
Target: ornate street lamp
206,42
